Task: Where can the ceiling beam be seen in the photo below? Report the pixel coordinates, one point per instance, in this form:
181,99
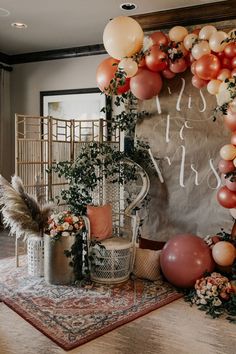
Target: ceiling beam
186,16
4,58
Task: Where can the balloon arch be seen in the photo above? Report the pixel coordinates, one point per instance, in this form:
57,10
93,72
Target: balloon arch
140,64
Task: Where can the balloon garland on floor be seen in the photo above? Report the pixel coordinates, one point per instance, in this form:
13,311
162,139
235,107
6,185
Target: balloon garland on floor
139,64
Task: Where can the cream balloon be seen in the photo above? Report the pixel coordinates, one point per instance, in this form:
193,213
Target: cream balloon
213,86
215,41
223,253
129,66
224,74
178,33
223,97
122,37
228,152
206,32
189,40
200,49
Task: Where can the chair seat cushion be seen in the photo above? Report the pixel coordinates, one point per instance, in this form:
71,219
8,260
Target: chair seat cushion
100,218
147,264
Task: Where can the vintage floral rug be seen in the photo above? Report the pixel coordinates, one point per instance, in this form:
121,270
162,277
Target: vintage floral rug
74,315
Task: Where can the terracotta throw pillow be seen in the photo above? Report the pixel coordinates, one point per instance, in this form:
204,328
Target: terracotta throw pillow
100,218
147,264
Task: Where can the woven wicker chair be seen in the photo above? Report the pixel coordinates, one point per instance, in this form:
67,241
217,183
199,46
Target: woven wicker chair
113,263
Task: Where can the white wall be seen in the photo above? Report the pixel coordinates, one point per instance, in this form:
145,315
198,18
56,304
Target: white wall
27,80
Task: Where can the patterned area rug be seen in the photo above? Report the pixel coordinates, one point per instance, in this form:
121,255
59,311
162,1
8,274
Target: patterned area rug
74,315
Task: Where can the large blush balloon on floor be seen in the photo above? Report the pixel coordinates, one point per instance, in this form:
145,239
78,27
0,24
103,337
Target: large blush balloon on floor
184,259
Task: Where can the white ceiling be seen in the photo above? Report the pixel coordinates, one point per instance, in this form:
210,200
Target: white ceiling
55,24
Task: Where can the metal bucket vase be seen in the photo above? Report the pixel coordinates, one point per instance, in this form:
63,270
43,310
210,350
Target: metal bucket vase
57,269
35,255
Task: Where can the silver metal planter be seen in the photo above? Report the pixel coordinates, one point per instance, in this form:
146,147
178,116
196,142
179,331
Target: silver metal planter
57,269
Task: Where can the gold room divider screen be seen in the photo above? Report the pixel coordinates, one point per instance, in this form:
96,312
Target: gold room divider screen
42,141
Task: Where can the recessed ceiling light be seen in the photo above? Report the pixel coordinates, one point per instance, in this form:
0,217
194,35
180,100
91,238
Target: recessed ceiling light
128,6
19,25
4,12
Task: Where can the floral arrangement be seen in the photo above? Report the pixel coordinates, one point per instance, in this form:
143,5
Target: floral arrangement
215,295
64,223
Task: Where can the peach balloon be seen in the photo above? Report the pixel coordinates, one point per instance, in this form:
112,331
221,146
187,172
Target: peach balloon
223,253
129,66
224,74
213,86
200,49
215,41
189,40
230,120
122,37
178,33
228,152
206,32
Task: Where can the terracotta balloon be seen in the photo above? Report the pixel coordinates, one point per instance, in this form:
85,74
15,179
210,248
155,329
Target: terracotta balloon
168,74
216,41
206,32
228,152
207,67
226,198
122,37
178,66
184,259
230,50
230,120
223,253
213,86
200,49
198,83
145,84
106,72
226,63
226,166
231,185
129,66
224,74
178,33
189,40
156,60
159,39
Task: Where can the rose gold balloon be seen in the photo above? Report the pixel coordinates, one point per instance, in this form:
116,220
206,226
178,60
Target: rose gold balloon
223,253
200,49
168,74
178,66
216,41
207,67
224,74
145,84
230,50
226,166
193,67
184,259
206,32
198,83
226,198
178,33
213,86
233,72
189,40
226,63
122,37
156,60
228,152
159,39
230,120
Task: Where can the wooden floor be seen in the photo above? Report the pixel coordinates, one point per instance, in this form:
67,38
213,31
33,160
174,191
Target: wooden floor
173,329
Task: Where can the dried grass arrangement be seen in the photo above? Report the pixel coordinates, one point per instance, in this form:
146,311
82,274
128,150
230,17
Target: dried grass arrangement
22,213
